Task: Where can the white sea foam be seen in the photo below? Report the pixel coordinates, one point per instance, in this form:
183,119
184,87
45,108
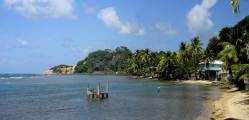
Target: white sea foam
3,78
15,77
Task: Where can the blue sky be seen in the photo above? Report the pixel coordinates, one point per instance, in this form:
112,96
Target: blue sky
38,34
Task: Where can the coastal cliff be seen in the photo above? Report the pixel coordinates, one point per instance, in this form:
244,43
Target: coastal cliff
60,69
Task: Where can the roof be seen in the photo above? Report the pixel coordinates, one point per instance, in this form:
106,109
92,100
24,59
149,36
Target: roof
212,68
214,62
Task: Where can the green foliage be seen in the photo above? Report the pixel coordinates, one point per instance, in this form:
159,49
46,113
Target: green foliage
237,67
120,59
213,47
235,6
197,53
243,72
224,82
143,62
105,60
231,46
237,36
229,56
167,65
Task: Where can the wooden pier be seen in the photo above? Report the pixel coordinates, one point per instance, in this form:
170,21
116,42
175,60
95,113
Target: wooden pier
97,93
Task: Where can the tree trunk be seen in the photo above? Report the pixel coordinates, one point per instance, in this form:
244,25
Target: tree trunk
230,72
195,70
240,84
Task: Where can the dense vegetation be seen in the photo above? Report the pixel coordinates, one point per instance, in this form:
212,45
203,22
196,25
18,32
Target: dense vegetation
105,60
231,46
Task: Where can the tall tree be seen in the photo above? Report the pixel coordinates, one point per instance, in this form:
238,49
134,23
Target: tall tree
213,46
183,59
197,53
208,57
237,36
166,66
229,56
121,58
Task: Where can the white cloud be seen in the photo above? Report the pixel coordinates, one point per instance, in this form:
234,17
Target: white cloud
165,28
112,20
51,8
22,43
198,18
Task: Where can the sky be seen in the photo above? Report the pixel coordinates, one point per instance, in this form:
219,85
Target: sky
38,34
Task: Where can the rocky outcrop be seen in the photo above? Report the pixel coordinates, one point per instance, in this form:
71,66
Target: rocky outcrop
61,69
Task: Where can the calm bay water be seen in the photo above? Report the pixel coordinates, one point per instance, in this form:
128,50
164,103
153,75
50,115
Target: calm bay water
61,97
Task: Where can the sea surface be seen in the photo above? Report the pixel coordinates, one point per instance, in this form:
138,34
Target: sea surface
63,97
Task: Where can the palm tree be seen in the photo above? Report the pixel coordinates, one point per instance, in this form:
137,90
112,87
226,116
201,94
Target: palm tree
208,57
236,38
196,50
146,57
161,65
229,56
182,56
235,6
135,64
166,65
183,59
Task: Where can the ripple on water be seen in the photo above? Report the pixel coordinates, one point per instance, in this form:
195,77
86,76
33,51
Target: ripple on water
63,98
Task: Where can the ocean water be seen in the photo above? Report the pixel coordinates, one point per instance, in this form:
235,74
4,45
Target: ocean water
63,97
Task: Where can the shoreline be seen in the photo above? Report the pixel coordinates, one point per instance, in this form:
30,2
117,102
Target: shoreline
197,82
231,104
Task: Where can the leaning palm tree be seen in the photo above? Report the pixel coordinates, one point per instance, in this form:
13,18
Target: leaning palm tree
229,56
235,6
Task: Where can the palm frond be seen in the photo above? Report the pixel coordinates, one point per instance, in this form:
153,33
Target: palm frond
242,71
235,6
224,44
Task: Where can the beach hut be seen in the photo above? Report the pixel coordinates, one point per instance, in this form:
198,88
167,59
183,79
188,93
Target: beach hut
212,70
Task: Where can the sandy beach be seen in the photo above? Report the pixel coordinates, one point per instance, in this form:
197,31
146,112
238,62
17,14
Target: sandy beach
232,104
200,82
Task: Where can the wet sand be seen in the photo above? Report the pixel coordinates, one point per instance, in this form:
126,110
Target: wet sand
200,82
232,104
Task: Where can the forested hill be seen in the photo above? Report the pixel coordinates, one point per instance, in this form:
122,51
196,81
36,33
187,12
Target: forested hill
105,60
231,46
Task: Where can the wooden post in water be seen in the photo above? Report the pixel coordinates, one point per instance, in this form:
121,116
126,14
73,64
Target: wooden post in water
107,89
97,93
98,89
87,91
